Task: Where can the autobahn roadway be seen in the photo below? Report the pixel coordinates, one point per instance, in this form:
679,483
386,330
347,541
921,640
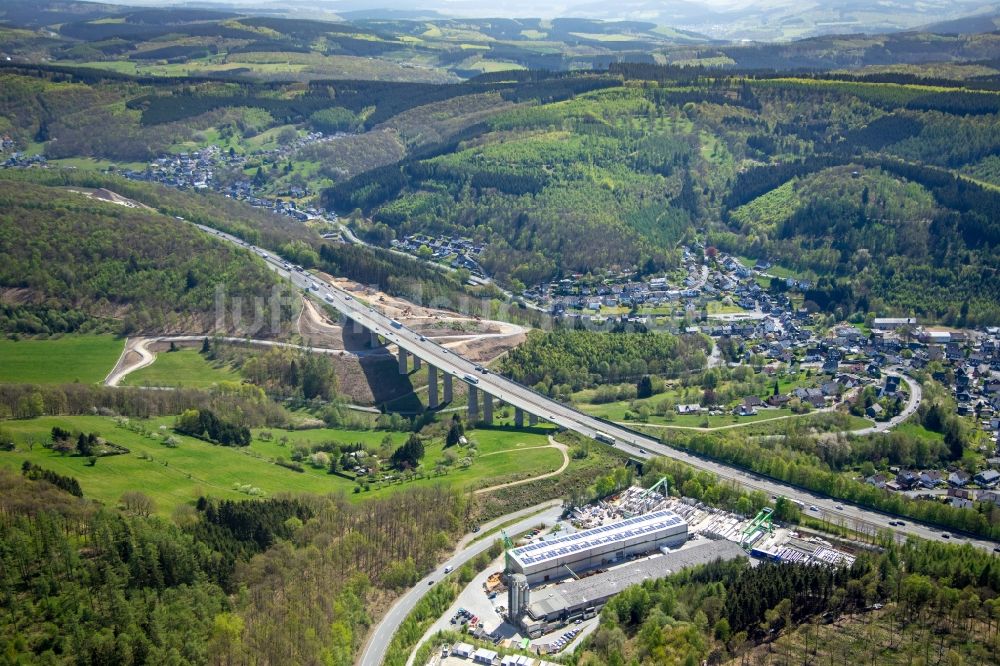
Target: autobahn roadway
634,444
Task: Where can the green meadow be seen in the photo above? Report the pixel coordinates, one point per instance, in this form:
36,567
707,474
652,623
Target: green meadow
179,475
78,358
184,367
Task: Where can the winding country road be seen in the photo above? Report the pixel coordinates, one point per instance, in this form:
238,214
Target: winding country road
140,346
916,395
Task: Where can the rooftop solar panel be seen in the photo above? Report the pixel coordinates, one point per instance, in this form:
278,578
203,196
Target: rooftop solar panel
605,534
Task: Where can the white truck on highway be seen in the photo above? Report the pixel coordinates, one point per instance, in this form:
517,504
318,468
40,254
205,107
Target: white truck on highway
606,438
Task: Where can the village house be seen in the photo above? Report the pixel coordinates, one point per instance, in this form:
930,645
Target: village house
987,478
958,479
931,478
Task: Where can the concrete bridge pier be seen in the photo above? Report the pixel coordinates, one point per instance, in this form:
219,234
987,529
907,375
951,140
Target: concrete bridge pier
532,420
473,403
416,362
487,408
374,339
447,389
402,361
518,417
432,387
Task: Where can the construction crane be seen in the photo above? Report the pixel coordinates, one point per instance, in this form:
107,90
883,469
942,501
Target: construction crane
761,522
508,545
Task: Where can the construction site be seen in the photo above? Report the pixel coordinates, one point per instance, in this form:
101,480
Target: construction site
553,584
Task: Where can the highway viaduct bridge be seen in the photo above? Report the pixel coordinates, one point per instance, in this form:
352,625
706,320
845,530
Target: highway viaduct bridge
484,388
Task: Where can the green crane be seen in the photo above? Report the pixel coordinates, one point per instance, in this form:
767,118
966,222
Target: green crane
763,521
508,545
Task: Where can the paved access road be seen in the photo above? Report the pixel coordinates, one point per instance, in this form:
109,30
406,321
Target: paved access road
916,395
141,345
635,444
378,640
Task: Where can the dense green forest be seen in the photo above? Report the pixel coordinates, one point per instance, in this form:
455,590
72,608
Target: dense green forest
85,584
562,361
75,263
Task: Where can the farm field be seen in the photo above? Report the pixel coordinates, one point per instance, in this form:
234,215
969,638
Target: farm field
175,476
78,358
184,367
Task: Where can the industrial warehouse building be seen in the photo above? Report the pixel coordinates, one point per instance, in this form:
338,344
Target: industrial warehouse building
600,546
541,611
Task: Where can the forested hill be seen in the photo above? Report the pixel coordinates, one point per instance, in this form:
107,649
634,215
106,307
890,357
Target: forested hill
882,191
273,581
73,263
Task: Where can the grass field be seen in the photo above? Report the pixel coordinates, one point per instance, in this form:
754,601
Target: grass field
913,428
718,307
175,476
185,367
73,358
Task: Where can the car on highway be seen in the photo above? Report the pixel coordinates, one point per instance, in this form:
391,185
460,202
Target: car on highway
813,507
423,339
945,535
448,569
996,549
430,582
840,507
642,451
